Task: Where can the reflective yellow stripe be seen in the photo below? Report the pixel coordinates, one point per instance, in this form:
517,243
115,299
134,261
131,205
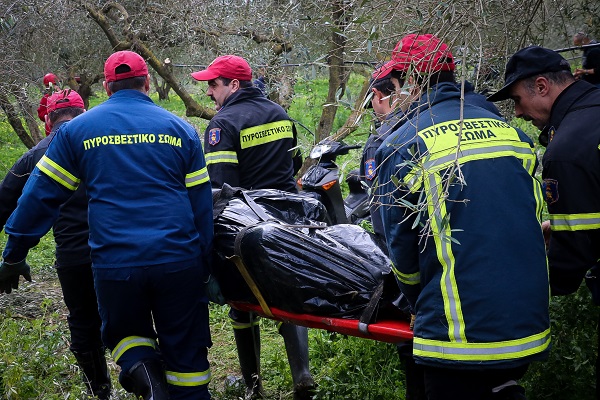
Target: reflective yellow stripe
221,157
476,130
495,351
266,133
480,151
575,222
440,230
479,139
58,173
244,325
539,198
130,342
407,279
196,178
188,378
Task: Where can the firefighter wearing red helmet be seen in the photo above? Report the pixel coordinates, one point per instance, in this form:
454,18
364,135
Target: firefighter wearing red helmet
49,78
50,86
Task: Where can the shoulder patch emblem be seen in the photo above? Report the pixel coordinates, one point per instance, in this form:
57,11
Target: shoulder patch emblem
550,187
214,136
551,134
370,168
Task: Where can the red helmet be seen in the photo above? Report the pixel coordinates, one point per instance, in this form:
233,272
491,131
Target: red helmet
50,77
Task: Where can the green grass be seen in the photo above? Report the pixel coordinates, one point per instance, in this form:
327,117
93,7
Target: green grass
35,362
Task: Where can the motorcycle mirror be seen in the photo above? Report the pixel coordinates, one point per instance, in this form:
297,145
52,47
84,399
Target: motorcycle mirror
319,150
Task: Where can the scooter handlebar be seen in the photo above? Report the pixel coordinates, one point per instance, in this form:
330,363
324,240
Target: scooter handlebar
332,149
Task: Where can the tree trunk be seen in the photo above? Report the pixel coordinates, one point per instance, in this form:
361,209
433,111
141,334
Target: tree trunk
355,117
336,71
131,41
29,114
15,121
82,84
163,87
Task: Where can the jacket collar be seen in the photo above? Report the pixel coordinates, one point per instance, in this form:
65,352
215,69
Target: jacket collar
242,94
564,104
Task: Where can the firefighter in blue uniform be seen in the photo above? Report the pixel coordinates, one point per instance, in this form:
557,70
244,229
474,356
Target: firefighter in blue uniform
479,294
150,218
249,144
544,91
385,103
73,263
389,102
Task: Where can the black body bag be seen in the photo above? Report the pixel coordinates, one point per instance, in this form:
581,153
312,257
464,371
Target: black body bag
296,262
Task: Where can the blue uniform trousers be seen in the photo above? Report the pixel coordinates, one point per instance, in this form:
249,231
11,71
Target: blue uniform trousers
141,306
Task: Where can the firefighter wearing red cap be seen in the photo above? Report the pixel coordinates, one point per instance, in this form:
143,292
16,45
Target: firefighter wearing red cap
150,219
73,263
249,144
50,86
461,214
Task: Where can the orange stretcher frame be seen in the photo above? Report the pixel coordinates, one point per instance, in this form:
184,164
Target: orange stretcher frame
390,331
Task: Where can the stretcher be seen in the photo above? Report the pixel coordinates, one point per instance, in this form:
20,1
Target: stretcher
390,331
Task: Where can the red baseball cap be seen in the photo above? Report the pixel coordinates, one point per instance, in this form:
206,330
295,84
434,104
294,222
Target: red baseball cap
229,66
63,99
135,62
383,71
423,53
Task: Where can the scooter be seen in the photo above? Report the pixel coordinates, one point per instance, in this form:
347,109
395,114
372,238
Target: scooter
321,181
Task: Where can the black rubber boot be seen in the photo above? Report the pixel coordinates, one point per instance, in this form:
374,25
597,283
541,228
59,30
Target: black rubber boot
146,379
513,392
296,347
248,347
95,372
413,372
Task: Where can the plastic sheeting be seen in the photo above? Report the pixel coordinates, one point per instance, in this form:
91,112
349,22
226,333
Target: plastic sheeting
233,213
318,269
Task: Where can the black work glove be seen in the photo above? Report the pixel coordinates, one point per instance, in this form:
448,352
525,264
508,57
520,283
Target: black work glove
10,273
213,291
592,281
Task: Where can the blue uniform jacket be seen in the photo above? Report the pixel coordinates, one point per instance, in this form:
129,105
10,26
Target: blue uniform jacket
368,165
71,228
462,223
571,176
147,185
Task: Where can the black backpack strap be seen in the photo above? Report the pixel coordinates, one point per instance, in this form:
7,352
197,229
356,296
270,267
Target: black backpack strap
258,210
367,315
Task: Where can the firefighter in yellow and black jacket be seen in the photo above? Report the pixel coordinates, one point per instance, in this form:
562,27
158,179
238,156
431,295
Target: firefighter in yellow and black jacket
461,212
250,144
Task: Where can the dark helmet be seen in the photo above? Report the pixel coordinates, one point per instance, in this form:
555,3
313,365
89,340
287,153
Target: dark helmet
50,77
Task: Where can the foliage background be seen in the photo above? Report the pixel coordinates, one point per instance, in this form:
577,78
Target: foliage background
312,51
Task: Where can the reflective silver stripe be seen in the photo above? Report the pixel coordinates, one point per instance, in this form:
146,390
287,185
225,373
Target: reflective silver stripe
130,342
575,222
482,351
196,178
491,150
221,157
188,378
58,173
